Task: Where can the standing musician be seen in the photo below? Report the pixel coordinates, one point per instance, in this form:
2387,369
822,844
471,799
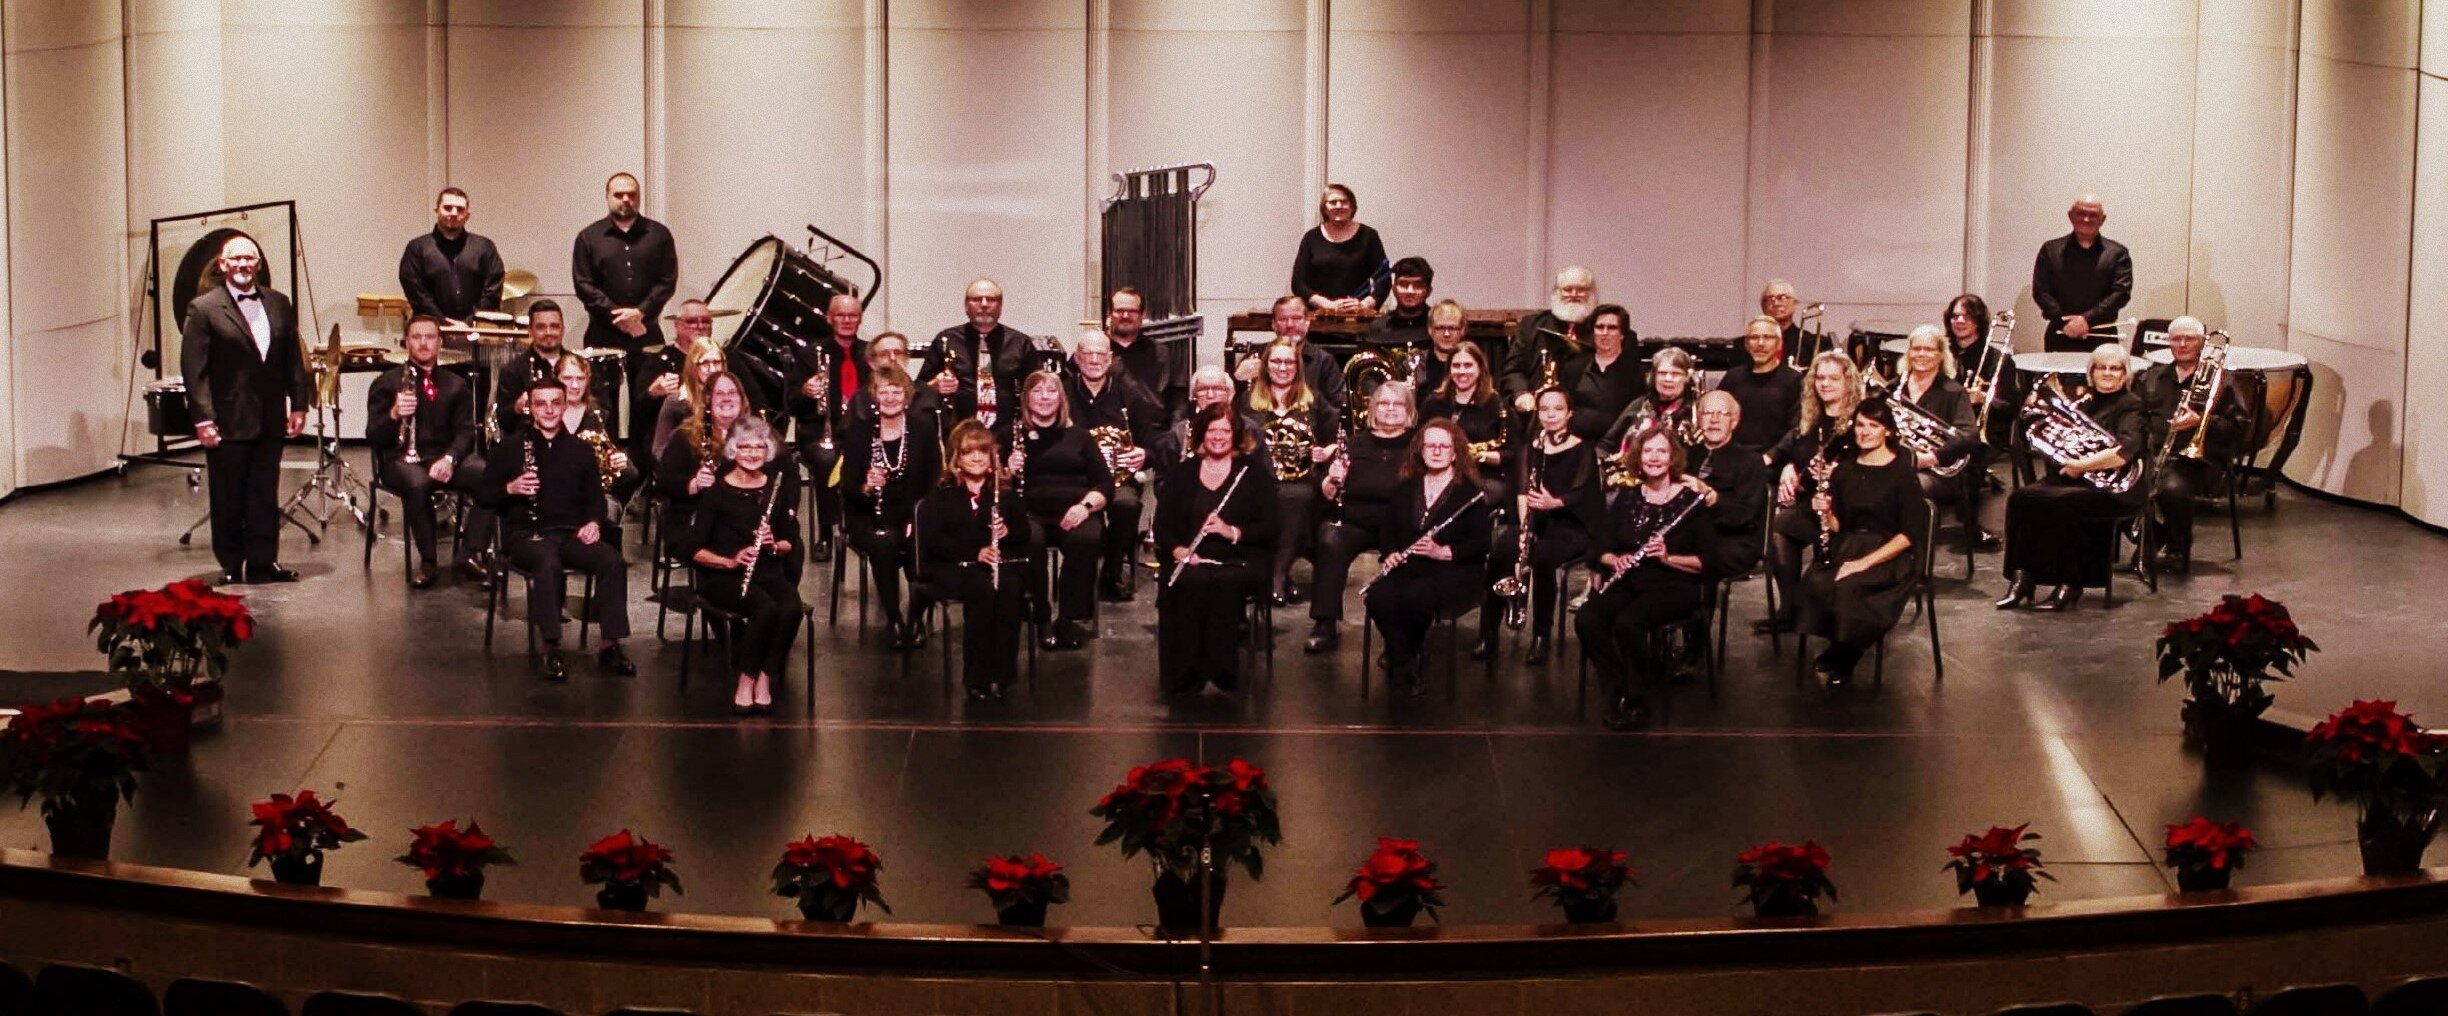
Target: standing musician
1860,582
1212,534
669,365
704,362
1929,383
538,364
545,484
450,273
2057,529
743,540
837,372
421,433
1769,390
1733,478
693,461
1360,482
1439,525
1561,501
2163,388
1405,323
1822,437
1341,264
248,392
1060,477
1553,336
1148,362
1291,324
2081,279
972,533
890,459
1652,548
1300,428
583,419
624,268
1778,304
1670,398
1605,380
951,364
1113,407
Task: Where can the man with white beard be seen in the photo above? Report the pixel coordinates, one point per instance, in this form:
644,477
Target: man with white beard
1559,334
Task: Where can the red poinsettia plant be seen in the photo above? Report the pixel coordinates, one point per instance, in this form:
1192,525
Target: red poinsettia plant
2377,757
162,638
1777,876
297,827
1167,809
628,860
2229,652
2204,845
1015,881
1997,858
77,754
1396,877
444,850
1574,876
832,876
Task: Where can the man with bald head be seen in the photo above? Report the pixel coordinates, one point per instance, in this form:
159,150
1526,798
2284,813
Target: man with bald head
2162,388
1558,335
1109,402
951,359
2081,279
248,392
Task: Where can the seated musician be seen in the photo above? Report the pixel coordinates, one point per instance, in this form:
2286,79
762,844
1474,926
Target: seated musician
1124,420
837,372
704,361
583,419
890,459
538,363
1560,496
1208,386
1145,360
1782,308
891,351
1448,322
1405,323
744,541
1553,336
1606,379
1929,384
972,533
950,367
1652,546
1300,430
553,521
1770,390
1670,398
1213,536
1063,481
1434,550
693,460
1341,264
1319,368
2164,389
1875,517
432,407
1978,364
1822,437
1468,397
2057,530
668,366
1360,483
1735,481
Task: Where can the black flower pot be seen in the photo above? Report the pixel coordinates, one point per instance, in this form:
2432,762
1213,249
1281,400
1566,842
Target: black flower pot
628,896
839,912
1589,911
1785,905
2390,847
2203,879
1177,902
464,886
2224,732
83,831
1399,915
1022,915
1996,893
301,869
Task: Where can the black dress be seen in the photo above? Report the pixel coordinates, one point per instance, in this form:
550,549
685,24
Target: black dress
1357,523
1615,624
1061,468
878,524
725,522
953,525
1405,601
1873,504
2057,530
1198,615
1558,537
1355,267
1599,394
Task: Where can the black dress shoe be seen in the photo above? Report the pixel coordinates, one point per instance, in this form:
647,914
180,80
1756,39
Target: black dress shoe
977,694
2017,595
271,573
1323,638
2175,563
2063,598
232,578
614,660
1628,714
821,552
1295,596
1538,651
1484,648
555,668
995,691
470,570
1064,637
1112,591
1985,540
422,578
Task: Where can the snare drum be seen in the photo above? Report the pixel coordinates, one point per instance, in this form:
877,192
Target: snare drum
779,296
166,412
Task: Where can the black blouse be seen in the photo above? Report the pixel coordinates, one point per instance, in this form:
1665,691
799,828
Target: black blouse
1771,403
1061,467
1355,267
1409,516
1832,437
1325,427
1481,422
1599,394
1570,475
726,519
913,461
1679,415
953,525
1632,519
1179,516
1880,500
1948,401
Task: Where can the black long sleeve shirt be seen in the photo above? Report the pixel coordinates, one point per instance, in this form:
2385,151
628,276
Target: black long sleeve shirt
912,463
569,492
615,267
1370,478
444,423
1355,267
2094,281
1252,508
2160,389
726,520
959,347
1948,401
1572,476
1771,402
1633,518
1409,517
451,277
1151,364
1540,338
954,525
1121,402
1062,466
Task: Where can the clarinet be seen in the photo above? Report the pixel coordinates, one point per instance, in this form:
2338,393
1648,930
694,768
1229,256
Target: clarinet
527,459
408,432
1398,558
1184,564
1633,560
764,531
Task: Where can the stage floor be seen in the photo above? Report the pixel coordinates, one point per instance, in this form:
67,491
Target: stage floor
386,699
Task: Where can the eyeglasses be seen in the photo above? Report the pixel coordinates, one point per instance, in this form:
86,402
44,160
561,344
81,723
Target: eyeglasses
1715,414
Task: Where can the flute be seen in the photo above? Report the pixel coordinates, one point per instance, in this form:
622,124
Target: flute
1183,565
1396,559
1625,564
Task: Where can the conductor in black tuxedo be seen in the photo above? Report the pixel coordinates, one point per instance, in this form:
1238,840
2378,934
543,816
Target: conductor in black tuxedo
248,391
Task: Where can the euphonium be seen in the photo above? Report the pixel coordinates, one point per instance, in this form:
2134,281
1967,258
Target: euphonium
1289,440
1916,428
2061,432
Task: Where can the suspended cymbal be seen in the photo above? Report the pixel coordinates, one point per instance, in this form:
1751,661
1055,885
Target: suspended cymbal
518,282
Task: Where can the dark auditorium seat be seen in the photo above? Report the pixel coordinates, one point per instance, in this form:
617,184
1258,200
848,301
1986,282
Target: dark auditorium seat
16,990
2422,996
484,1008
2185,1005
351,1003
2046,1009
2313,1000
195,996
633,1011
66,989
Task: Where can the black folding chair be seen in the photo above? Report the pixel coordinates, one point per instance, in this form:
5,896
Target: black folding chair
2313,1000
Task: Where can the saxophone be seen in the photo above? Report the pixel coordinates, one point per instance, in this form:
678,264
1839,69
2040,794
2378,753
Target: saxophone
1289,439
2061,432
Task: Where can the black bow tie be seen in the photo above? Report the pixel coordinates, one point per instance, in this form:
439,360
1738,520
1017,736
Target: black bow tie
250,296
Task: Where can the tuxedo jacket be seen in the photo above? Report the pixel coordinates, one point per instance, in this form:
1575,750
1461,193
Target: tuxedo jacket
247,393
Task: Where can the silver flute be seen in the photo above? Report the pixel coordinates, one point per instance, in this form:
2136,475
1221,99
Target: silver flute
763,534
1183,565
1397,558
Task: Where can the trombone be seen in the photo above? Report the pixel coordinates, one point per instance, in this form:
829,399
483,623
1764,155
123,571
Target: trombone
1815,317
1990,368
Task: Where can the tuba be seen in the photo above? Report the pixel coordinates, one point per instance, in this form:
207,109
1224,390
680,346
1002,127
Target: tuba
1367,371
1917,428
2059,430
1289,439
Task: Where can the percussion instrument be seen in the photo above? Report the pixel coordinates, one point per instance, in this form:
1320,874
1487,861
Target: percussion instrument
778,296
2077,364
166,413
1882,342
516,282
2270,382
362,358
604,379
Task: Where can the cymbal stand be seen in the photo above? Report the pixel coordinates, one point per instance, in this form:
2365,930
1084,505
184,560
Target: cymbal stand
335,484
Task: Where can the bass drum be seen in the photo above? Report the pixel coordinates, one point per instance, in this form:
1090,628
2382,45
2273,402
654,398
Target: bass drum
768,307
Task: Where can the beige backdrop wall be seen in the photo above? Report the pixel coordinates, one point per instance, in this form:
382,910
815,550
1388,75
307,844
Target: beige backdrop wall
2260,156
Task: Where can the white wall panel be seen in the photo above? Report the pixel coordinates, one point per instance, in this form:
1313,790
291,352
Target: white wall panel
174,112
2425,439
2243,169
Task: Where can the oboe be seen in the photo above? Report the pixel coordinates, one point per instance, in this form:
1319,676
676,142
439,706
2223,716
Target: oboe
764,531
1397,558
1625,564
408,434
1184,564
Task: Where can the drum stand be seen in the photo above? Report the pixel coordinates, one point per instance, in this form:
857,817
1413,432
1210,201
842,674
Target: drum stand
335,484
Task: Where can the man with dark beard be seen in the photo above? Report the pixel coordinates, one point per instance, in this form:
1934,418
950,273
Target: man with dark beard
1556,335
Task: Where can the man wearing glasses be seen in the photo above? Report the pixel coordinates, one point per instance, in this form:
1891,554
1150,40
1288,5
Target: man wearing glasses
248,391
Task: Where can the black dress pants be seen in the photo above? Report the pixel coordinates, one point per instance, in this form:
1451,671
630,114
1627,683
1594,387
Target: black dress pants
549,561
2180,482
1338,545
414,483
243,487
1198,626
990,620
887,551
771,608
1405,603
820,462
1615,625
1075,586
1122,516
